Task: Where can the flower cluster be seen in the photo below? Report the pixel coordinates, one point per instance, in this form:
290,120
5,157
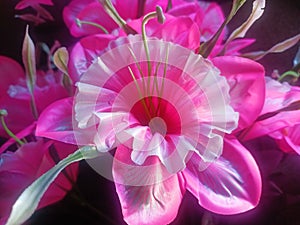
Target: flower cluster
157,96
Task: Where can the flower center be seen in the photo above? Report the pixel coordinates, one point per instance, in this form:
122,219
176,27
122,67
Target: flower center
162,116
158,125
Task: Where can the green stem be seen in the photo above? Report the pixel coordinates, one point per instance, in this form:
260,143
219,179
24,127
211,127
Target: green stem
33,107
157,14
208,46
112,12
144,36
80,22
7,130
289,73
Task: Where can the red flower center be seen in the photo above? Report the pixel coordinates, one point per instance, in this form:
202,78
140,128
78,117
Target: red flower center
157,113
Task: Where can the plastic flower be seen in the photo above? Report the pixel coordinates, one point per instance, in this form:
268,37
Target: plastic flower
279,118
157,119
167,126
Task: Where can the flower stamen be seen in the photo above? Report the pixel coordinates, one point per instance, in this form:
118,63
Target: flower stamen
81,22
140,92
4,113
160,17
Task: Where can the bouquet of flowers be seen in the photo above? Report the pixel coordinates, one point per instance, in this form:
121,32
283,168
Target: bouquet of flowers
160,98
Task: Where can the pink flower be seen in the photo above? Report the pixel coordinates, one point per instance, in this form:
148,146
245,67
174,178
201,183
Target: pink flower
85,52
15,96
20,168
279,118
168,114
207,16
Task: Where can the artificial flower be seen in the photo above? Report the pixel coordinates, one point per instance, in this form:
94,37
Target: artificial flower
142,113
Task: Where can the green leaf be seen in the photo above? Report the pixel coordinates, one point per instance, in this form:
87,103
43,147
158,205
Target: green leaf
28,57
280,47
28,201
112,12
206,48
257,11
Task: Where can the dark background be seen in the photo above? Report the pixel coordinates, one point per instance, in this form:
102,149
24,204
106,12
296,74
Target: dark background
280,21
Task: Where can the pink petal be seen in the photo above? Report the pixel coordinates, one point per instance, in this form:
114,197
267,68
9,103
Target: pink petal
230,185
56,123
233,47
89,11
271,124
72,10
247,86
127,10
15,120
49,94
85,52
208,16
64,182
27,131
10,73
212,20
181,31
279,111
279,95
130,10
288,139
156,203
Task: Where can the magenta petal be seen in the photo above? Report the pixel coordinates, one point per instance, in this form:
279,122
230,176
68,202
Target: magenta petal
181,31
292,140
230,185
64,182
10,73
272,124
235,46
56,123
15,120
23,133
85,52
71,11
247,86
156,203
89,12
